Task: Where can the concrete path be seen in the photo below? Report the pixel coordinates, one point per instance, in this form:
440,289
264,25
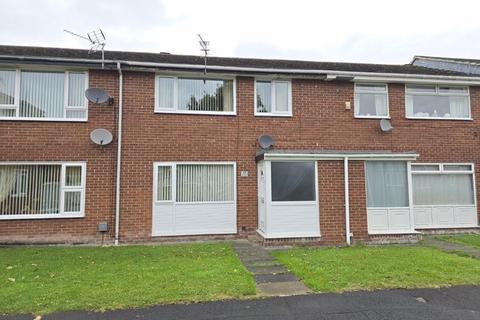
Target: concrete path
452,247
456,303
271,277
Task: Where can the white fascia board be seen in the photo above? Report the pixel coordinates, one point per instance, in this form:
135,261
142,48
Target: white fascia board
359,76
331,156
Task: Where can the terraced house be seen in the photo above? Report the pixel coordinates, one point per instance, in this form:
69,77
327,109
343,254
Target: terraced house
360,152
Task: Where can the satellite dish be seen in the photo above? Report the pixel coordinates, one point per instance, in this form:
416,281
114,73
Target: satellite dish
265,142
99,96
386,125
101,136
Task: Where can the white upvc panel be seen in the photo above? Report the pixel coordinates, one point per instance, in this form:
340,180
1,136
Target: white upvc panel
442,216
194,219
389,220
423,217
399,220
465,216
293,220
438,217
377,220
163,219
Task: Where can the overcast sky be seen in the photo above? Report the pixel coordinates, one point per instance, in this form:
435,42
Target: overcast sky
339,30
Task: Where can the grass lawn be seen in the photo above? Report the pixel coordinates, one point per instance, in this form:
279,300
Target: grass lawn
46,279
471,240
366,268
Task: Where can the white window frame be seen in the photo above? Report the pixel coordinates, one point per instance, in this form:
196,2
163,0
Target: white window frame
175,109
62,214
173,166
442,171
16,105
356,103
437,93
273,112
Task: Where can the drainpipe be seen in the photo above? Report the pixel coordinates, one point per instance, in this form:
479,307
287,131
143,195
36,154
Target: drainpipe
119,152
347,201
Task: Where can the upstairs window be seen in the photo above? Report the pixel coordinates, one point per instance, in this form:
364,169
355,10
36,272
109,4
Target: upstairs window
42,95
437,102
190,95
371,100
273,98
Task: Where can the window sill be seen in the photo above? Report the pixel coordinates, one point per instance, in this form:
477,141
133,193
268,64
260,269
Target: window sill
372,117
208,113
40,216
42,119
438,118
284,115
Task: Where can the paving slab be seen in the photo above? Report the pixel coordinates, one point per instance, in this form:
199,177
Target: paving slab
271,278
267,269
282,277
452,247
281,289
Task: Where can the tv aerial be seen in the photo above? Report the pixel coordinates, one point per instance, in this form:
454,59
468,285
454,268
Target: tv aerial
204,47
96,39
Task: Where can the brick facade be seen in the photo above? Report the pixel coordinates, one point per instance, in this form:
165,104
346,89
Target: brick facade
320,121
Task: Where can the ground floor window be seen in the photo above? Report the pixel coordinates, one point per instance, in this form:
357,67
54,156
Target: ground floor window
195,182
194,198
443,195
42,190
442,184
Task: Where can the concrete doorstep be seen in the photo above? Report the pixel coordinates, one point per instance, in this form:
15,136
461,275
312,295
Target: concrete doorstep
271,278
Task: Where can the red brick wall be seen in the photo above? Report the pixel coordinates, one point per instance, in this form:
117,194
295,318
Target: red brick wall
66,141
320,121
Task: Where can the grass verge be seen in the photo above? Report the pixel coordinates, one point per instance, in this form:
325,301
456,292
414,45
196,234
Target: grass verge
369,268
42,280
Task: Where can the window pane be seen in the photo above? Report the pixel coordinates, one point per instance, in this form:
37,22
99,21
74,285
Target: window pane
281,96
164,184
426,167
205,95
205,183
73,176
422,89
7,112
370,104
387,184
436,106
72,201
42,94
76,114
293,181
442,189
165,93
76,89
264,96
453,90
7,87
457,167
29,189
370,87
